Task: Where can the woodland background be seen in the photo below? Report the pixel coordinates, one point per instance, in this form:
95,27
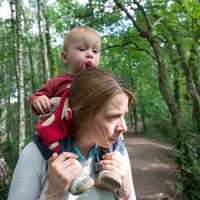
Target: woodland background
153,45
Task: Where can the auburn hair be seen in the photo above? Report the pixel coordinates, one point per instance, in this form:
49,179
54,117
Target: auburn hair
90,91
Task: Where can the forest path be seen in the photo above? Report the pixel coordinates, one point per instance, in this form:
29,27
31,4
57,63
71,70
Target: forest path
153,169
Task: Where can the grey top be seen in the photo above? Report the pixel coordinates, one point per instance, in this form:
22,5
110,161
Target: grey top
29,181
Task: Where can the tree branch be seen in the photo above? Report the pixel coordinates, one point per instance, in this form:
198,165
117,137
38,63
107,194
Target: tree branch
146,18
139,29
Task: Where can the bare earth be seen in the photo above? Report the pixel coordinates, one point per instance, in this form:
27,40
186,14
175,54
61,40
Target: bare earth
153,170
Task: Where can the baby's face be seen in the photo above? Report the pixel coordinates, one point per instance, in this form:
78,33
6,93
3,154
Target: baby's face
83,51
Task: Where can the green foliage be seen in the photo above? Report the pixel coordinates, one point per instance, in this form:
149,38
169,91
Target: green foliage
4,193
188,163
158,123
10,148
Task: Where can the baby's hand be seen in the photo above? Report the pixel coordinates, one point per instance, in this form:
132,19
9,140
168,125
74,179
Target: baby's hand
54,102
42,104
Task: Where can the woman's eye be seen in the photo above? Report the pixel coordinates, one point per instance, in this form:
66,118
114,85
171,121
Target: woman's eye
111,118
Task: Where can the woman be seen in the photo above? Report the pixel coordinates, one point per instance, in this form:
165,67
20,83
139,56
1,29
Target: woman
99,102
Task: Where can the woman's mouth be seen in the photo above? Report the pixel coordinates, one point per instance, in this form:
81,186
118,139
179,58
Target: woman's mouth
112,140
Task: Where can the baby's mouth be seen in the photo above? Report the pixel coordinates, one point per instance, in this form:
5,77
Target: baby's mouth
89,63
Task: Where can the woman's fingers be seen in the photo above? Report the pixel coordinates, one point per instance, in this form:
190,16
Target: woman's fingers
116,156
63,161
115,161
119,163
64,156
52,158
62,169
114,166
113,155
72,170
111,163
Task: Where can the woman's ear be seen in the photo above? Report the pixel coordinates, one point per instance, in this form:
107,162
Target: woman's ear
64,57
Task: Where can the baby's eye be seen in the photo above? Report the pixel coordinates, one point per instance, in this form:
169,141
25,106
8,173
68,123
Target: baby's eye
81,49
95,50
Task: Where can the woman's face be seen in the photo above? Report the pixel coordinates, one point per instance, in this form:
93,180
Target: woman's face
109,123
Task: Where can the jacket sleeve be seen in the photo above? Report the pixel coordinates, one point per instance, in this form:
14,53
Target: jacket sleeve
28,175
47,90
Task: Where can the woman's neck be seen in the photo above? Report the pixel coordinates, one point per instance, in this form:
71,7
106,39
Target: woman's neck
83,143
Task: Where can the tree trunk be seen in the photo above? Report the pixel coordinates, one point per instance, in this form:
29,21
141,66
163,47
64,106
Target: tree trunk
13,24
43,44
143,118
177,88
4,175
131,117
132,114
135,119
163,85
48,42
20,69
26,28
195,66
188,78
3,91
3,114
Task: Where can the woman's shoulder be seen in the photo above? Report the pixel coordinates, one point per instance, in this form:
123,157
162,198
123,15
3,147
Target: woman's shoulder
31,155
31,149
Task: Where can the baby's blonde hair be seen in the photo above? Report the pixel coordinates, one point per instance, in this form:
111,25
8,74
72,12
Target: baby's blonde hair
84,29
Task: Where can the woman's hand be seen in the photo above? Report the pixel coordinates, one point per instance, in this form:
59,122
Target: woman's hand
119,163
62,169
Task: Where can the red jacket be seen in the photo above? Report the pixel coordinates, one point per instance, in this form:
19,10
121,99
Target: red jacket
53,88
57,125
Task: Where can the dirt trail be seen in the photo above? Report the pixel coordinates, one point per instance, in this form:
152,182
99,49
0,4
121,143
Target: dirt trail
153,169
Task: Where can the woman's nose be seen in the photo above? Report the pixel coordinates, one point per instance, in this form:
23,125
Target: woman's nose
122,127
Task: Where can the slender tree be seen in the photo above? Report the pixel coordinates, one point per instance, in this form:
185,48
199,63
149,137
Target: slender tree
163,83
41,26
20,72
48,41
4,175
188,77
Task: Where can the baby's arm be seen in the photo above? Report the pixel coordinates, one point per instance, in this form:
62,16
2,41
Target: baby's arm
53,103
39,102
42,104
